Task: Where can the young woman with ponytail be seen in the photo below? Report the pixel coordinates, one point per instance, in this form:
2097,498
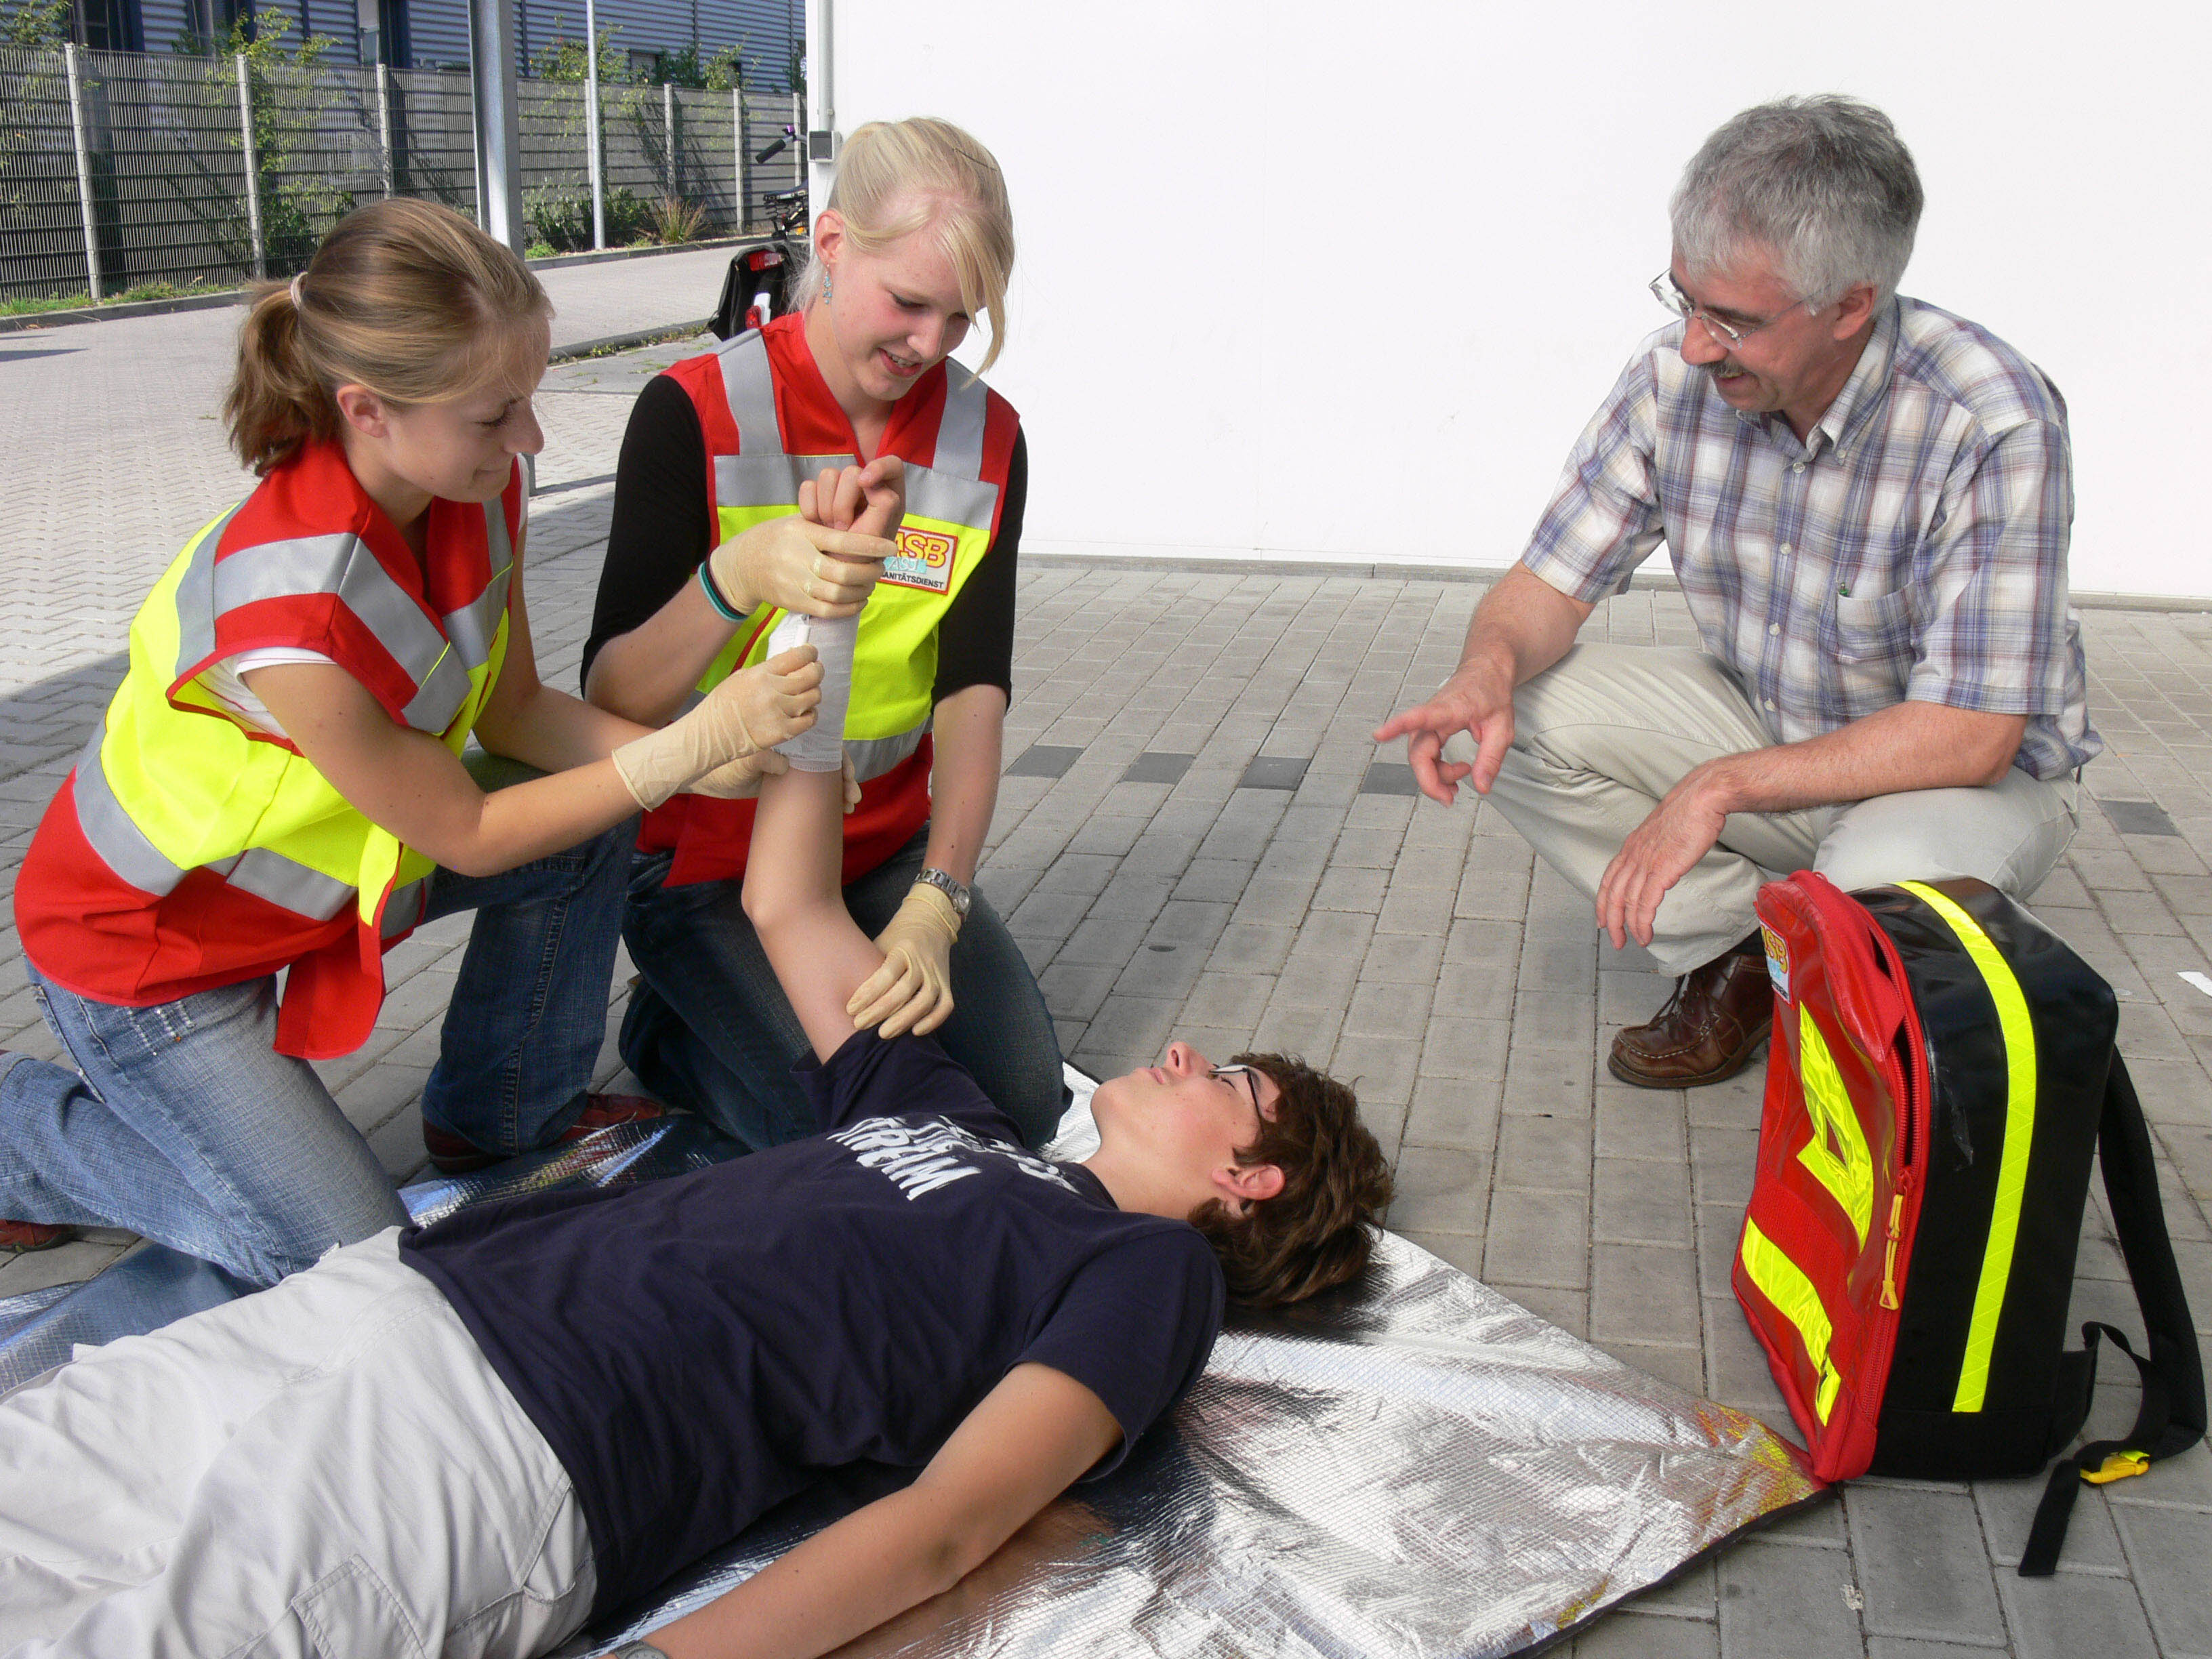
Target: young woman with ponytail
279,786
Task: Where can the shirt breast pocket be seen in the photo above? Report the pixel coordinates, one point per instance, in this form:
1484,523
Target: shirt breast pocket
1868,642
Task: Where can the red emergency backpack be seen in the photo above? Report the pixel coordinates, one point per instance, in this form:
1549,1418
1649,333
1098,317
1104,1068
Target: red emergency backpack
1941,1070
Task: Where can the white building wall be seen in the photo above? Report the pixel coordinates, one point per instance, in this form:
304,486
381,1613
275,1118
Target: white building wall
1262,311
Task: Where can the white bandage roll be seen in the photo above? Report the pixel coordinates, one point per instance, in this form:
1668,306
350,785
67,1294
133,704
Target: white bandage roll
821,747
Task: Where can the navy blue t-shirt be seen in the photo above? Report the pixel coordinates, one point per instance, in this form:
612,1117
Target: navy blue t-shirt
696,1349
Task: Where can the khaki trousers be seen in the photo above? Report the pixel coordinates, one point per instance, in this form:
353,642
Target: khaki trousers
1602,735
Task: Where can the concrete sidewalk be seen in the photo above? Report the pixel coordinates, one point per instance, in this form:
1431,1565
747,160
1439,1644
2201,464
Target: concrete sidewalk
1192,839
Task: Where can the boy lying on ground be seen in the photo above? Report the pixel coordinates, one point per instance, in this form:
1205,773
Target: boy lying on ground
472,1438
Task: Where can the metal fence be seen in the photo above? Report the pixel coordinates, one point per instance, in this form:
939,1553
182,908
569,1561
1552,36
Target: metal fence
122,170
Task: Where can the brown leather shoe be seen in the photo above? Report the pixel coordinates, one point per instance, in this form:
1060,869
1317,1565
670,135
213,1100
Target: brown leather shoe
1708,1030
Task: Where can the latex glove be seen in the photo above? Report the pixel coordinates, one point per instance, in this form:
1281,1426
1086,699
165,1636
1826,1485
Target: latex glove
741,779
913,990
795,565
869,499
754,708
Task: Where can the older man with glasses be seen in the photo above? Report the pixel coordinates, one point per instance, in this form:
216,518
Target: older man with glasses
1868,503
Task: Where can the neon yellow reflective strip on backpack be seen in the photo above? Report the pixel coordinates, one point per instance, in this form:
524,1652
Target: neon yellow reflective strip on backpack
2019,1029
1783,1282
1846,1168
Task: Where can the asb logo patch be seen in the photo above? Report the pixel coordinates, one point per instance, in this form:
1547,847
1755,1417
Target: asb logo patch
924,559
1778,961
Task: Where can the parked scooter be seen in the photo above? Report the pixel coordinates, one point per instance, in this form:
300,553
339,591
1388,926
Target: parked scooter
758,283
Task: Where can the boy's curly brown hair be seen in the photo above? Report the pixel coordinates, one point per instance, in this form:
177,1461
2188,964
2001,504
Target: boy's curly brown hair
1314,1233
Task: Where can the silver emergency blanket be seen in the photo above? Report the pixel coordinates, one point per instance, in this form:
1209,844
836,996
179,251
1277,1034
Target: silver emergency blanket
1413,1469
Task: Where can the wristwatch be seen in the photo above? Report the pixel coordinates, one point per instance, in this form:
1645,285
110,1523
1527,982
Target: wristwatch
637,1650
949,885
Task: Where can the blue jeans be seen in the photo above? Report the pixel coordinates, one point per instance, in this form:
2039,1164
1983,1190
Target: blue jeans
710,1030
188,1127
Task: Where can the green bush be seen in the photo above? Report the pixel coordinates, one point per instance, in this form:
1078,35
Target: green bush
563,218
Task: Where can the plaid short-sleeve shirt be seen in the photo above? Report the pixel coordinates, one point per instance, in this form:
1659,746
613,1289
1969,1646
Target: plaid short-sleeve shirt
1913,547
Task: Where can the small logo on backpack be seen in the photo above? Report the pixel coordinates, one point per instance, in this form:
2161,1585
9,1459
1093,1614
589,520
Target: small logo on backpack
1778,961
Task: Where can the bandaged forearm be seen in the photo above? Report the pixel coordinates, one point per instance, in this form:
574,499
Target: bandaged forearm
821,748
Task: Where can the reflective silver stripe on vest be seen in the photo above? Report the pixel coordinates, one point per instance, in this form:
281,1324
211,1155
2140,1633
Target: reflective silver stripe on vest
950,498
123,847
767,480
749,386
472,628
873,756
960,429
196,597
121,844
343,566
285,884
405,907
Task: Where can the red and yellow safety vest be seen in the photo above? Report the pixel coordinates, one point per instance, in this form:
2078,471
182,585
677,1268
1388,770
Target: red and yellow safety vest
770,420
186,851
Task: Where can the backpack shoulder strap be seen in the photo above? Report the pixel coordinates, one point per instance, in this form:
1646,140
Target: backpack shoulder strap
2171,1418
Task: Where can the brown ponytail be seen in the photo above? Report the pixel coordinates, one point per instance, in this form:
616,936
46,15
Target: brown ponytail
404,297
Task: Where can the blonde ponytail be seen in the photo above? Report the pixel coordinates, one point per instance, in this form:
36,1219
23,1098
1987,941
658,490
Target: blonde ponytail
404,297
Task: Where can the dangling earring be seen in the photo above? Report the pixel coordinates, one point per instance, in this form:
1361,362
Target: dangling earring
825,286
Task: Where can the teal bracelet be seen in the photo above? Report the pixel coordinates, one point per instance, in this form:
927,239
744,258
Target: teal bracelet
714,594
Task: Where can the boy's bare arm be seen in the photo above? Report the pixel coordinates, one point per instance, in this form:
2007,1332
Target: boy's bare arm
1031,1438
794,898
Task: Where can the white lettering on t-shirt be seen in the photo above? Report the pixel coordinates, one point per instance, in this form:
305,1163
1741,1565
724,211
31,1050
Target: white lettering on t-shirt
919,1157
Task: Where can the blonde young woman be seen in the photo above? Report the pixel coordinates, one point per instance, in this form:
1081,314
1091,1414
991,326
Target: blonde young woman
279,785
916,244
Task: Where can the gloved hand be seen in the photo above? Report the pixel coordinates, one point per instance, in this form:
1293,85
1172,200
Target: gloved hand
870,500
799,566
741,779
913,990
754,709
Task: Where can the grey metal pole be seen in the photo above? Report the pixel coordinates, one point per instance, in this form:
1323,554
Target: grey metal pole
822,139
499,142
668,130
738,128
83,175
384,128
252,171
592,123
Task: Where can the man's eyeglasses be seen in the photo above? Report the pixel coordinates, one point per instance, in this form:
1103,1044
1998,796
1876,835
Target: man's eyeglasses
1668,293
1252,1076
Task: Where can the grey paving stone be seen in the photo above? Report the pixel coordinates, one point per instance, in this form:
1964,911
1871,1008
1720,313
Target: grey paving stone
1640,1123
1548,1082
1538,1238
1308,1032
1640,1293
1345,888
2007,1509
1683,1365
1636,1202
1782,1603
1544,1154
1924,1566
1462,1250
1155,767
1905,1647
1442,1191
1044,760
2071,1615
1632,1634
2170,1552
1568,1310
1076,990
1275,772
1381,1069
